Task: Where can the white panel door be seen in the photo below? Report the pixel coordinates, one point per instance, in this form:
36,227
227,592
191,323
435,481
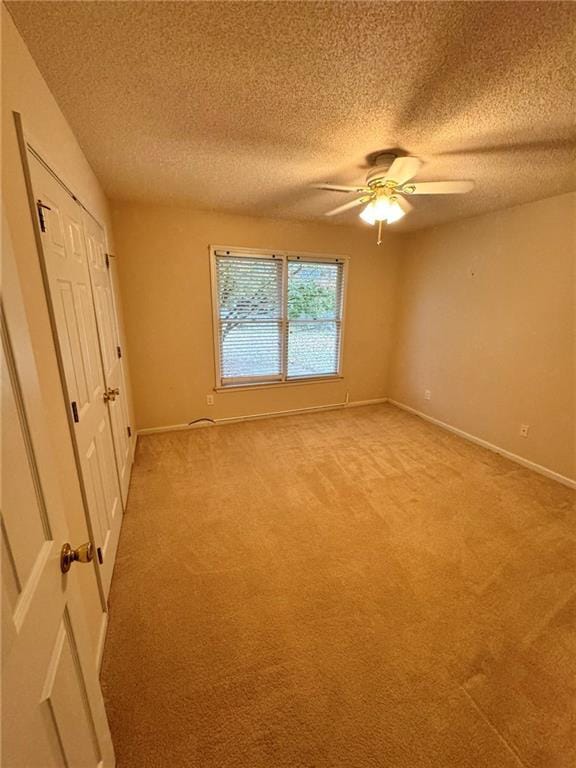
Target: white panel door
66,265
110,347
52,709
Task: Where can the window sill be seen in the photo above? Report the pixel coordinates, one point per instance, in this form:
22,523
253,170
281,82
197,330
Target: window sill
277,384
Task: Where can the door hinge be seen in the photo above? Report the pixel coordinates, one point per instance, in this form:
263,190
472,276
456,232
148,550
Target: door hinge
129,431
107,260
119,351
75,411
40,207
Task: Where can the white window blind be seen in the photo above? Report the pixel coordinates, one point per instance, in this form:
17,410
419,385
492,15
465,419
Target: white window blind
250,318
279,317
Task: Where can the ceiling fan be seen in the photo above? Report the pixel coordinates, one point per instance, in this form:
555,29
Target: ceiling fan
387,185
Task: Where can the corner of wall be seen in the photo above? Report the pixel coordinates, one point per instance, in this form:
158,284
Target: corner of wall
484,332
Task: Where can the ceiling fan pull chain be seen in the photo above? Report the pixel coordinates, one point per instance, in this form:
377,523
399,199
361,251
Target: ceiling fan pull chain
379,232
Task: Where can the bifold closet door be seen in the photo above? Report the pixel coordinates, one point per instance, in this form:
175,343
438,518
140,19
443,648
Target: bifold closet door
109,347
52,708
70,295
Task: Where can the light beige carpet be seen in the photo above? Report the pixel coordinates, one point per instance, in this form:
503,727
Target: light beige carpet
349,589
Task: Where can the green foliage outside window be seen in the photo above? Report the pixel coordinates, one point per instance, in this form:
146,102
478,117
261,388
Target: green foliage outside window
310,301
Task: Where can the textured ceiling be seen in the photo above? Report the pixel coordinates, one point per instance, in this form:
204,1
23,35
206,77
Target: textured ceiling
240,106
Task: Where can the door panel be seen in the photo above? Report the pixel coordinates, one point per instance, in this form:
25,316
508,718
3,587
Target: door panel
120,422
88,339
109,345
25,529
52,708
66,265
101,490
71,347
65,701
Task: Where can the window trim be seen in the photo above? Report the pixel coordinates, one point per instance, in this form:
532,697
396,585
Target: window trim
269,253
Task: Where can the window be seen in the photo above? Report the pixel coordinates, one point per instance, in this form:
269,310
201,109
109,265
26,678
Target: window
277,316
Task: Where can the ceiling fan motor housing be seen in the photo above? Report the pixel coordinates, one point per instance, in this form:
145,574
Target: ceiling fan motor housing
377,176
382,163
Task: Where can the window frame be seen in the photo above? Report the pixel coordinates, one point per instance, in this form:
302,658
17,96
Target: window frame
283,380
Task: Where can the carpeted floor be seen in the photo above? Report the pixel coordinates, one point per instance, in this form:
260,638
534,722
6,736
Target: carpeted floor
347,589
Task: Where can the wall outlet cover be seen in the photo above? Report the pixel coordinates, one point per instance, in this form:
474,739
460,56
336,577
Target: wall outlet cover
427,394
209,399
524,429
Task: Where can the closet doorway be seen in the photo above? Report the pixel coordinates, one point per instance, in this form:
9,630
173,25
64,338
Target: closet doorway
80,296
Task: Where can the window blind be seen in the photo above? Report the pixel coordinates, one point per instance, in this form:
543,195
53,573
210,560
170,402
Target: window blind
279,318
250,318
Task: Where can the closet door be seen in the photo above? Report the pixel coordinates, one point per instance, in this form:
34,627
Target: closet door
70,296
109,346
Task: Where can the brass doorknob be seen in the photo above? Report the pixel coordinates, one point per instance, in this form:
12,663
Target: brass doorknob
111,394
82,554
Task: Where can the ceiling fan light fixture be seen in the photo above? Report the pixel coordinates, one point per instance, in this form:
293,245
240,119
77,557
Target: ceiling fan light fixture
384,197
395,212
376,210
367,214
381,208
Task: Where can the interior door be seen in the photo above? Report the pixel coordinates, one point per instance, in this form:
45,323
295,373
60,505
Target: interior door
52,709
70,294
109,346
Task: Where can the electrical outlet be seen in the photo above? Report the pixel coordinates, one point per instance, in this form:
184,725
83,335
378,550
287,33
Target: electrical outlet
209,399
524,428
427,394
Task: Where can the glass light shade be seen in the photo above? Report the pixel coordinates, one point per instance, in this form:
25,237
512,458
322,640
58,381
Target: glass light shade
367,214
377,210
381,208
395,212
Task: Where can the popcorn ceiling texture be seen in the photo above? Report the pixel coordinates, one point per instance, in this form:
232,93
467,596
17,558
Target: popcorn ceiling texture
240,106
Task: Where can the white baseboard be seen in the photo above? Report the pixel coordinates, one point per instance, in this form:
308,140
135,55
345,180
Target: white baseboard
376,401
490,446
256,416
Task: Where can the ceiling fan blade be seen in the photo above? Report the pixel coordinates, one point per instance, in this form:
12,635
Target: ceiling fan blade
403,169
345,207
404,204
440,187
338,188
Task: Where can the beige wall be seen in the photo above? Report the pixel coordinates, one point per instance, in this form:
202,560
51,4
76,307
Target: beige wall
485,320
24,91
486,323
164,270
